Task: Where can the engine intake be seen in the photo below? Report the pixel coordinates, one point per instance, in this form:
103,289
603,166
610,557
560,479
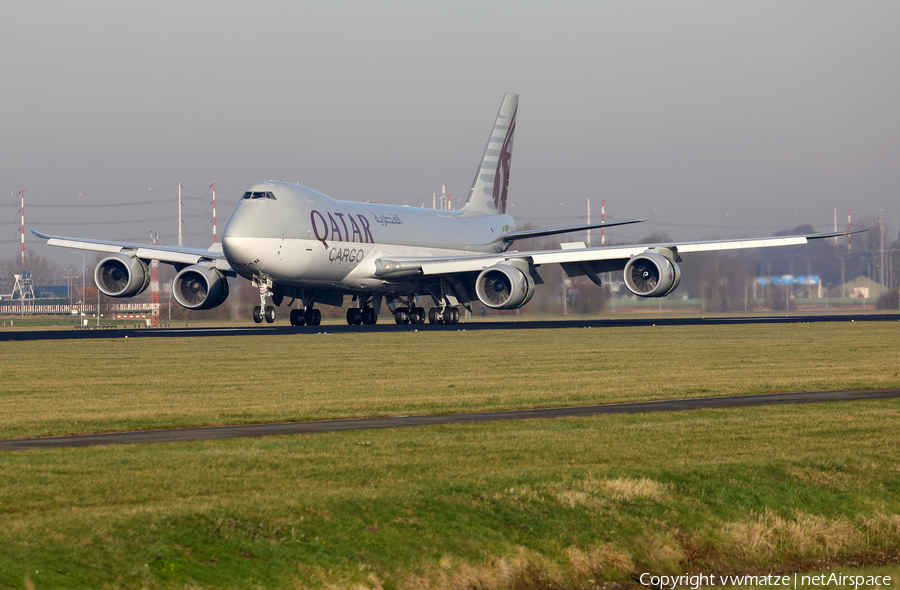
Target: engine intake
120,275
651,274
200,287
504,286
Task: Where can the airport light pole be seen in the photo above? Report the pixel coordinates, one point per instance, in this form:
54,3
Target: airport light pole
69,277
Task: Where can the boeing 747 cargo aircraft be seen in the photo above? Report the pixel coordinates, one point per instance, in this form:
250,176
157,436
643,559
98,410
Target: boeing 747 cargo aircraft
292,241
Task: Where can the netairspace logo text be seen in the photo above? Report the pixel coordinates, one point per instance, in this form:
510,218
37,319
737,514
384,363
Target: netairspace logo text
696,581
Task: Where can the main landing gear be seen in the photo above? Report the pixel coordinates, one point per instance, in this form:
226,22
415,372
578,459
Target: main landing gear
357,316
309,316
447,315
364,314
410,315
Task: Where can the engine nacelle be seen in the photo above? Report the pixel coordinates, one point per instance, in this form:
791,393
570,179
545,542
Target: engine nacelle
650,274
120,275
200,287
504,286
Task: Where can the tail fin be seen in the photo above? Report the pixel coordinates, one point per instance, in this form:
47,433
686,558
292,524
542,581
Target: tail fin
488,192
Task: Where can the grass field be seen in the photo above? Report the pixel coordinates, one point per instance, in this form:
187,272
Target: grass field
544,503
64,387
566,503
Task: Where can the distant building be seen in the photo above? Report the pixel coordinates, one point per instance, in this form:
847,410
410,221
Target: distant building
810,286
859,288
51,292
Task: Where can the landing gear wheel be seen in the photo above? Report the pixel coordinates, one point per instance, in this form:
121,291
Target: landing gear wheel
369,317
354,316
297,317
313,317
270,314
257,314
434,316
417,315
451,315
401,316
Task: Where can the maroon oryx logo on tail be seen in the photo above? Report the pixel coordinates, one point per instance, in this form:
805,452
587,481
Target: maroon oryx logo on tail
501,177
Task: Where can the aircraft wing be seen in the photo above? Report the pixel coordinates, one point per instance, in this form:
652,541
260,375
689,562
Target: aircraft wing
601,259
170,254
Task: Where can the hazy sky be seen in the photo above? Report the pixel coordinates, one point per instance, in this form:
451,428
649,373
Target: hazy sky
707,118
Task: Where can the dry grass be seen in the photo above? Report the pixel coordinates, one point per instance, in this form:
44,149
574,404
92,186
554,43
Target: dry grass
805,535
105,385
627,489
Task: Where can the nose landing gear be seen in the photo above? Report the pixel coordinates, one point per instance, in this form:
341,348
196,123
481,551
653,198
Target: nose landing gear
262,311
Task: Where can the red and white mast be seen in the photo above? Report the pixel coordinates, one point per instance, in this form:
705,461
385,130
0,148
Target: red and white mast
602,220
154,285
22,192
214,213
849,227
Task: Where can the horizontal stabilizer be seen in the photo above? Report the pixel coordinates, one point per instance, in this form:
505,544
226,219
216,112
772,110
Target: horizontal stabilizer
539,233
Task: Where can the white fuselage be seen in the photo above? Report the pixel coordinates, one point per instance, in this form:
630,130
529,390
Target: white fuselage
300,238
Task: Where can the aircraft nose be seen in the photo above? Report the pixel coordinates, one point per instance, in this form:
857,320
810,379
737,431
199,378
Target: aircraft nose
237,249
236,240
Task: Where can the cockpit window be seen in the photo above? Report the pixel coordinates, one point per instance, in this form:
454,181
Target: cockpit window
255,195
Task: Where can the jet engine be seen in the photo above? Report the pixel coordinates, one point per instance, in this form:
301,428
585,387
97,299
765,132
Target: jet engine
200,287
120,275
651,274
503,286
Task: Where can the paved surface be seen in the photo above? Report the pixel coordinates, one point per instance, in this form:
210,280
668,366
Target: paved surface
186,434
386,324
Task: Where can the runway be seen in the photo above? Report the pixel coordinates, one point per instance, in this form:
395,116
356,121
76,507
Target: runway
255,430
386,324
